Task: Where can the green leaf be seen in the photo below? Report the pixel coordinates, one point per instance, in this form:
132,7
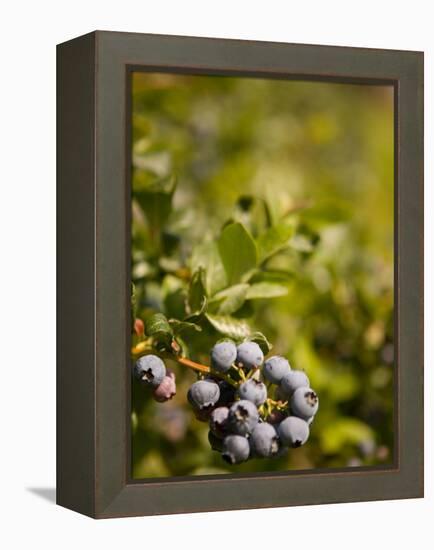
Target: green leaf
197,314
206,256
156,201
231,299
174,297
228,326
158,327
180,326
262,342
274,239
271,275
197,290
237,251
266,290
174,303
185,350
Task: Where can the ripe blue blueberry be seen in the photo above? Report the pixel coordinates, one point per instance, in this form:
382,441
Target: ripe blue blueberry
304,403
276,417
275,368
150,370
243,417
218,421
293,431
227,393
279,394
223,355
254,391
236,449
203,394
202,415
293,380
215,442
264,441
249,355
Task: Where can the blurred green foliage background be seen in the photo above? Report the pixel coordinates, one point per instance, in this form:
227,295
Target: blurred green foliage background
319,155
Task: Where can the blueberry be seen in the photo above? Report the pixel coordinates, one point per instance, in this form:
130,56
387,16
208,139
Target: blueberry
279,394
264,441
167,389
227,393
293,380
150,370
236,449
254,391
203,415
249,355
215,442
223,355
203,394
293,431
276,417
304,403
218,421
243,417
275,368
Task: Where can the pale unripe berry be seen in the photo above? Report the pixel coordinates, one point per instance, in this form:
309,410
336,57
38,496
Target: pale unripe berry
167,389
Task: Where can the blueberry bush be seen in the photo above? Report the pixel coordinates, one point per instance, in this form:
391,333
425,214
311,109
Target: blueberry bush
262,275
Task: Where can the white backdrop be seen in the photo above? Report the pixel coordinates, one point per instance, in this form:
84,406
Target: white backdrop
29,32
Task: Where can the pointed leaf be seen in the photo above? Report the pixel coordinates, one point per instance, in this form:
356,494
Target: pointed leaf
197,291
231,299
274,240
228,326
206,256
156,201
237,251
195,316
158,327
181,326
266,290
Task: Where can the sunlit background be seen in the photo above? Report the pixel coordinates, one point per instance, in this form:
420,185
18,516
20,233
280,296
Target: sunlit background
321,153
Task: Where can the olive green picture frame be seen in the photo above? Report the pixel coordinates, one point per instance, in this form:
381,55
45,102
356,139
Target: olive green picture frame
93,331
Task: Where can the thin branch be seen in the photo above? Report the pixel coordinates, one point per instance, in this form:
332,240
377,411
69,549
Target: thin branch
191,364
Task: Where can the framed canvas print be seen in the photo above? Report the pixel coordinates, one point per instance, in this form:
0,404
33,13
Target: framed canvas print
240,263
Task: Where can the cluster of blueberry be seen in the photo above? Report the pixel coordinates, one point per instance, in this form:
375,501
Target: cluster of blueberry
260,420
254,408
